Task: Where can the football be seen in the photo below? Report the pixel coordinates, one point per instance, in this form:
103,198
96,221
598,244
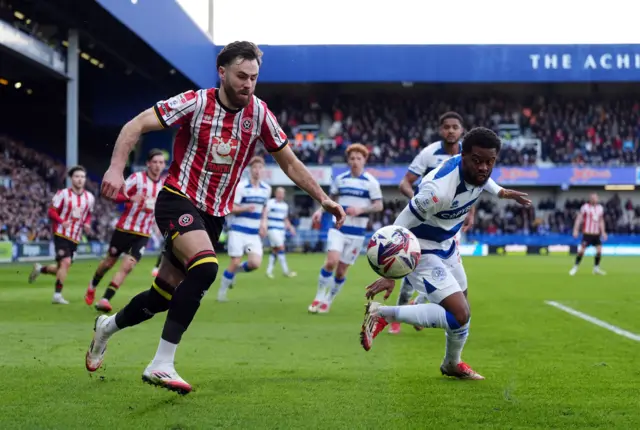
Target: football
393,252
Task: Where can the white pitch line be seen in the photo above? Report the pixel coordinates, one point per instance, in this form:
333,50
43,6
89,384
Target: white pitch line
596,321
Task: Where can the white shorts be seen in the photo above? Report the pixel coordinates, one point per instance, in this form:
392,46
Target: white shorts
276,238
239,244
348,246
438,278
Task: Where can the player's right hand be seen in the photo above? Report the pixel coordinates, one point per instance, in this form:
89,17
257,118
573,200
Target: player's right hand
137,198
316,217
336,210
112,183
381,284
575,234
66,224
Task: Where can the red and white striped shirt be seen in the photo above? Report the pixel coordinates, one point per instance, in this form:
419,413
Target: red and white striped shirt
138,217
214,145
74,208
591,218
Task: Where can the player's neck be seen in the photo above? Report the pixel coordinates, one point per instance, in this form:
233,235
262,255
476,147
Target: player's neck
357,173
153,177
451,148
255,182
77,190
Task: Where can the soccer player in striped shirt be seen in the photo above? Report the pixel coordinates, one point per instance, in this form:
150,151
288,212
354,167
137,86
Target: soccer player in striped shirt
70,214
218,134
360,194
591,216
132,230
277,214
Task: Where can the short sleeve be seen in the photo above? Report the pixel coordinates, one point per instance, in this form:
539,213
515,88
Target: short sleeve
583,209
333,190
272,135
492,188
427,202
131,184
419,164
177,110
239,194
58,199
375,192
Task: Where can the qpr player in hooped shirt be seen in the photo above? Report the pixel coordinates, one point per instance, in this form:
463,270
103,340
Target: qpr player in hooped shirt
359,193
435,215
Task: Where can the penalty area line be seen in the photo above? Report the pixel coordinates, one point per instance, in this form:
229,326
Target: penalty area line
594,320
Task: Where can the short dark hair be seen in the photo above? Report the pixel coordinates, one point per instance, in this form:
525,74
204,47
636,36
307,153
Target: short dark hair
450,115
482,137
245,50
154,153
75,169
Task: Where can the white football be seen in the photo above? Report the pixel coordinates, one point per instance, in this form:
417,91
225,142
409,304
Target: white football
393,252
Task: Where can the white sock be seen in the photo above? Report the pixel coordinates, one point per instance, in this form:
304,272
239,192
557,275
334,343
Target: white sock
226,281
282,258
337,287
325,282
406,290
427,315
456,338
272,262
110,326
166,353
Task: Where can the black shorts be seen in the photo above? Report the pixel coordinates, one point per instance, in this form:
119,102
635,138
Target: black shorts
64,247
176,215
127,243
591,240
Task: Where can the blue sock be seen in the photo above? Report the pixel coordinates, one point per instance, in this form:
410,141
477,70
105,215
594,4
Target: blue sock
337,286
244,267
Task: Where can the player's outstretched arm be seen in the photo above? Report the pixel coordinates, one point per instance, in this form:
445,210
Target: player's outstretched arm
505,193
406,184
113,181
576,224
300,175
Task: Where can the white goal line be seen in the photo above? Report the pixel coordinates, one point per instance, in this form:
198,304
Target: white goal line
596,321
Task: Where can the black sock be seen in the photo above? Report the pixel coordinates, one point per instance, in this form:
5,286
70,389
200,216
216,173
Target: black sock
578,259
44,270
598,257
97,277
201,273
145,305
58,286
111,291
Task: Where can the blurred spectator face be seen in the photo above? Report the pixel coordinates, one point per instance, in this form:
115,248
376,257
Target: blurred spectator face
156,165
280,194
451,130
593,199
256,171
356,162
78,179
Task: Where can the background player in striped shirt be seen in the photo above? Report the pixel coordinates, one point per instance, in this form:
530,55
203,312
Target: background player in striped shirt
133,229
277,214
359,194
70,214
451,129
591,216
219,130
248,226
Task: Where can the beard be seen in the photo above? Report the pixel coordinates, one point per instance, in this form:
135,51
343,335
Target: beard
234,97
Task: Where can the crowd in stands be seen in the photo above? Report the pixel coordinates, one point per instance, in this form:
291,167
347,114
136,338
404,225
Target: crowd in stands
28,181
577,131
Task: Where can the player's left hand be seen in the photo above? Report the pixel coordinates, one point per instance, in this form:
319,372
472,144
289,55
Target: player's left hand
381,284
518,196
262,231
468,224
605,236
352,211
87,229
336,210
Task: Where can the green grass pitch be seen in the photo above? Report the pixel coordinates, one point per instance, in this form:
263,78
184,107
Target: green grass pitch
261,361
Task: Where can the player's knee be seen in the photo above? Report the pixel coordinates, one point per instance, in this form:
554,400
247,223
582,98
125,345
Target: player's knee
65,263
159,296
461,317
330,265
341,271
204,268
